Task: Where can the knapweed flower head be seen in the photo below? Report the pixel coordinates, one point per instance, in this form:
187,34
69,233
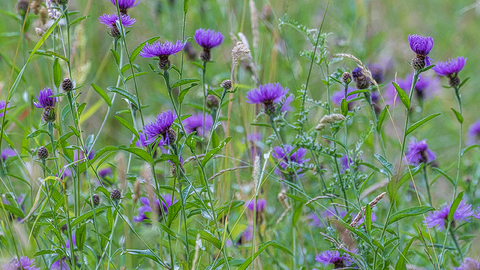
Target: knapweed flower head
45,98
60,265
246,236
103,173
474,133
195,123
418,152
25,263
80,155
360,79
421,46
477,215
2,107
286,107
469,264
439,218
451,68
111,22
162,50
124,5
207,39
161,128
7,152
269,94
334,258
167,202
297,157
261,205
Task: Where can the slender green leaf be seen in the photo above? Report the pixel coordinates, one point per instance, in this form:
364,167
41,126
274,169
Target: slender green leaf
381,118
184,92
215,150
409,212
136,75
250,259
79,20
138,152
36,133
450,179
458,115
57,72
102,94
368,216
81,236
185,6
124,93
455,205
465,150
402,95
387,165
344,107
421,122
463,82
127,125
147,254
116,56
183,82
138,49
401,265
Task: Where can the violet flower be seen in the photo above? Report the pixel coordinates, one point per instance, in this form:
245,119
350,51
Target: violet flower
422,47
439,218
337,96
111,22
261,205
418,152
450,69
286,107
207,39
334,258
45,98
469,264
195,123
473,133
269,94
146,207
297,158
7,152
162,127
25,263
2,107
124,5
246,236
163,51
377,72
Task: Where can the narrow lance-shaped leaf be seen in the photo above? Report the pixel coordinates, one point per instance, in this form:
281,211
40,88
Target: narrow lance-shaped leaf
402,95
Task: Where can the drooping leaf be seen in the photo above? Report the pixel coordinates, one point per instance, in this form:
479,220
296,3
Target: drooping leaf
102,94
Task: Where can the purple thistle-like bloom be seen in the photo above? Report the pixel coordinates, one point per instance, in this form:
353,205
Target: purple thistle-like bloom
334,257
80,155
421,46
44,98
158,49
110,20
298,157
418,152
469,264
195,123
474,133
261,205
247,235
451,67
105,172
440,218
25,264
160,127
337,96
60,265
146,207
477,215
286,107
7,152
268,94
2,107
345,162
208,39
123,5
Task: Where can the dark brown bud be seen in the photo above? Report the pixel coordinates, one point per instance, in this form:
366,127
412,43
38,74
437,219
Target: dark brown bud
114,32
49,114
419,62
22,7
227,84
164,62
61,2
115,195
212,102
270,108
171,136
96,199
362,82
205,55
67,85
454,81
42,153
346,77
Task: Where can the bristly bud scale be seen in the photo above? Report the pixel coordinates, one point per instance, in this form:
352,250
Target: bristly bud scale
95,199
346,78
22,7
67,85
49,114
115,195
227,84
42,153
360,78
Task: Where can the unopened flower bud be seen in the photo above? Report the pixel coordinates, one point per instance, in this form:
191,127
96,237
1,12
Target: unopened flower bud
205,55
115,195
454,81
227,84
42,153
212,102
95,199
346,77
419,62
22,7
67,85
49,114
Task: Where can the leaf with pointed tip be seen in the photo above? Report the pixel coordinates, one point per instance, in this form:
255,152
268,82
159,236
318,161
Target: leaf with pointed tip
402,95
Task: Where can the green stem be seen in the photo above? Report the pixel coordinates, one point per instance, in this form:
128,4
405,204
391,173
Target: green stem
427,185
454,238
460,131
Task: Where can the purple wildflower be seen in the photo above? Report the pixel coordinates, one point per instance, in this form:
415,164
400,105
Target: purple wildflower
80,155
451,67
261,205
334,258
111,22
163,51
473,133
255,137
45,98
337,96
105,172
422,47
362,82
25,264
160,128
440,218
7,152
208,39
377,72
373,217
286,107
297,157
425,87
66,173
2,107
345,162
477,215
60,264
124,5
469,264
169,201
418,152
67,242
20,202
246,236
268,94
315,221
195,123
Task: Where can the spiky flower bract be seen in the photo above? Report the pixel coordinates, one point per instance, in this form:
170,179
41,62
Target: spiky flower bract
439,218
418,152
421,46
195,123
45,98
167,202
